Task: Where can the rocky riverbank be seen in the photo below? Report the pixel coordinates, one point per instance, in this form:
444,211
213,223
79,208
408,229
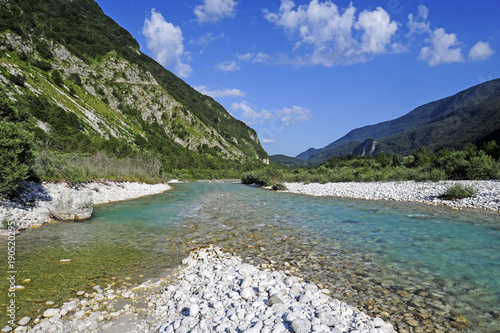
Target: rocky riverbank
487,192
213,292
37,203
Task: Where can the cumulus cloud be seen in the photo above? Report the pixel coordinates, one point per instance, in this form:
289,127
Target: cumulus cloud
166,43
220,92
378,30
286,116
444,49
481,51
328,31
294,115
212,11
418,24
228,66
248,113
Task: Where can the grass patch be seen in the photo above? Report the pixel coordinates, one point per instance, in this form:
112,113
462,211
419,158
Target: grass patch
458,191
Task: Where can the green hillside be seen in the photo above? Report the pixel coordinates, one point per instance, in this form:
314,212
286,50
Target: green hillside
78,80
470,116
287,160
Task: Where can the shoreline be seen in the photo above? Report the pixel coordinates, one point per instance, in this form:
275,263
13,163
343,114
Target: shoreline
487,192
34,207
210,291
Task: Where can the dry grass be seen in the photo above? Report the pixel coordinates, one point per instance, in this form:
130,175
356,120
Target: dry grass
76,167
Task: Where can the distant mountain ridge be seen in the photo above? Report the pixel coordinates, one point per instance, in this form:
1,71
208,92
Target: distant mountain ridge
472,115
67,60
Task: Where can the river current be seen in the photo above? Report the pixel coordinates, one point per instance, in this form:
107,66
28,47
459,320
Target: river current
420,267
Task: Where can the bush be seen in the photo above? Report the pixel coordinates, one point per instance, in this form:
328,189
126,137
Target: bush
254,177
458,191
17,79
43,65
279,187
57,77
16,159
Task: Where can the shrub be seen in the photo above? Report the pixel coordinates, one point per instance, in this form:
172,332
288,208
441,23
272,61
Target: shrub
279,187
17,79
254,177
458,191
76,79
57,77
16,159
43,65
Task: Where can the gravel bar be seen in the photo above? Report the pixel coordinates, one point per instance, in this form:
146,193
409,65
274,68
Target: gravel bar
487,192
212,292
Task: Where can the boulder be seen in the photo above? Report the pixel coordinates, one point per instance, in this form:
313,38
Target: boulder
73,205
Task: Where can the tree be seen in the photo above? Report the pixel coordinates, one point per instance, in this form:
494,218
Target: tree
57,77
16,144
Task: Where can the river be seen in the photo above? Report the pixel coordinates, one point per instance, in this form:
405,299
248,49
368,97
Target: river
416,266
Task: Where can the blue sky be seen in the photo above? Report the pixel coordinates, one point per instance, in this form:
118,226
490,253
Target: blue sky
304,73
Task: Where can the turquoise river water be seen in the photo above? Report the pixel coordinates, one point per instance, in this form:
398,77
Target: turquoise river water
422,268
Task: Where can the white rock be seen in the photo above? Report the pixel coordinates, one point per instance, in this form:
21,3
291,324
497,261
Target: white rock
301,326
50,313
79,314
247,293
24,321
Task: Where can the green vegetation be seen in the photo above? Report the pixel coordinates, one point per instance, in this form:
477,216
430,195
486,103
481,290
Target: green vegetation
458,191
89,34
78,135
16,159
287,160
279,187
470,163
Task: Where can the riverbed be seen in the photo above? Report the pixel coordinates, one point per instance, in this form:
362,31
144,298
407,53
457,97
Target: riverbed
417,267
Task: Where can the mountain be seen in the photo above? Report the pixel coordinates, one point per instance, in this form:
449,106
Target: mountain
82,83
472,115
287,160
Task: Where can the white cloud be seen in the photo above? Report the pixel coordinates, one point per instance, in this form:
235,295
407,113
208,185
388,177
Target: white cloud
378,30
286,116
261,57
212,11
248,113
268,141
418,24
266,115
481,51
220,92
245,57
444,49
328,31
294,115
166,43
207,39
228,66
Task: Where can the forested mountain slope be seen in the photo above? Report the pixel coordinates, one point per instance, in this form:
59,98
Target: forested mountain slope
470,116
79,81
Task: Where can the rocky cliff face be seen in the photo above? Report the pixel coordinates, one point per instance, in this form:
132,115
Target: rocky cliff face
369,147
116,92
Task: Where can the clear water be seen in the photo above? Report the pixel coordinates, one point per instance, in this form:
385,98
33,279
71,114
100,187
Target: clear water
453,255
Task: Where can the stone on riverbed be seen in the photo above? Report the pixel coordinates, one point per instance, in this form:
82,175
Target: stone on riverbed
73,205
225,295
51,313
